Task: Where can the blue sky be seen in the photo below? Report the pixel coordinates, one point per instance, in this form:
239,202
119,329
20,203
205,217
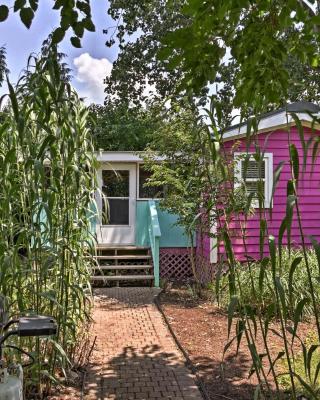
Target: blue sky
90,64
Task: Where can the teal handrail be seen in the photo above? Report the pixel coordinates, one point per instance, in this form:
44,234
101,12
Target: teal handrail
154,239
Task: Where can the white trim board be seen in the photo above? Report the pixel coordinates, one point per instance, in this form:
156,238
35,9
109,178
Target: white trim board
278,121
121,156
213,243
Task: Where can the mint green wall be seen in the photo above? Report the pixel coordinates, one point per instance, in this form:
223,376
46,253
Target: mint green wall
171,235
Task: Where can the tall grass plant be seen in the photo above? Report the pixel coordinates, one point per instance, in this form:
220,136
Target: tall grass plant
47,181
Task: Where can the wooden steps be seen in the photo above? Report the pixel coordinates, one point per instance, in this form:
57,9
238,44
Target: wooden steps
121,267
122,278
123,257
125,265
121,248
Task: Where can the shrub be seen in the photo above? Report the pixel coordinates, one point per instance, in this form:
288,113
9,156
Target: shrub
309,375
261,297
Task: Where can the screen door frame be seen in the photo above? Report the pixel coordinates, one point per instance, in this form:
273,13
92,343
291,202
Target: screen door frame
119,234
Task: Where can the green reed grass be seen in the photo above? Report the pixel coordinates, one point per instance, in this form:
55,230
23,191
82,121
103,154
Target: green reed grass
295,284
47,181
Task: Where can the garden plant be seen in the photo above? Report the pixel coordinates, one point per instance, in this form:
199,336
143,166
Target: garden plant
47,183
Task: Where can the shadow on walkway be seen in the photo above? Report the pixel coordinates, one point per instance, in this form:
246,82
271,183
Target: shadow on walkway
147,373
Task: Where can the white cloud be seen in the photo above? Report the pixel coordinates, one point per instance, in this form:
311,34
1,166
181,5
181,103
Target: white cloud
90,73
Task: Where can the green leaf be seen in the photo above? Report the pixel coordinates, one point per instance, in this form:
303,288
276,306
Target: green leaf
84,7
226,347
89,25
276,177
60,349
240,328
231,309
50,295
13,100
291,201
34,4
18,4
27,15
279,356
297,316
58,4
47,374
312,349
290,187
316,374
293,267
75,41
306,386
263,230
316,246
78,29
282,296
58,35
302,139
263,266
294,159
4,13
273,253
282,230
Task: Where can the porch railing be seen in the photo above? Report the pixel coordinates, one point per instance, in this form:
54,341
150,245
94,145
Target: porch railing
154,239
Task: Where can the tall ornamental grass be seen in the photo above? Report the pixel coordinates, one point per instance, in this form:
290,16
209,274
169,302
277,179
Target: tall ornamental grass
280,273
47,180
295,286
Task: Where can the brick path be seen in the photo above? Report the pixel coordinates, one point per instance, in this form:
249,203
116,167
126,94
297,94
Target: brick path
135,356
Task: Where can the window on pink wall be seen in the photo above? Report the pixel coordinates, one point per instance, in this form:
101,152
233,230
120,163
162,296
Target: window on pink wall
250,173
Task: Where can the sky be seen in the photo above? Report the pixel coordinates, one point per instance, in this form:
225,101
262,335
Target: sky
90,64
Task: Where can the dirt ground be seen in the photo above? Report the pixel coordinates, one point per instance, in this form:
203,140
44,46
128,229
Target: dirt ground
201,328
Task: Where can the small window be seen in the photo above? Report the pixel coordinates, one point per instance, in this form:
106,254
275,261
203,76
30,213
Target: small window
115,183
115,188
257,177
148,192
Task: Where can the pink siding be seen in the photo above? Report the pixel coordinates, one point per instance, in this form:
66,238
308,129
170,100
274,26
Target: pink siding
309,195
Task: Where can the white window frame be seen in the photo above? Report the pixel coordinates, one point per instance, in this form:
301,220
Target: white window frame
268,180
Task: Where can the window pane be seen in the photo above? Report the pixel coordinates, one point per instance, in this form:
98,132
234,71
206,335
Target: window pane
115,212
147,192
115,183
250,169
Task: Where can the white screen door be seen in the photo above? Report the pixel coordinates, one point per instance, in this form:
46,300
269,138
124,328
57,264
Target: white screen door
118,204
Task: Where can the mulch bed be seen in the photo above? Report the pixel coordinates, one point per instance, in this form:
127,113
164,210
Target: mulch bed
201,329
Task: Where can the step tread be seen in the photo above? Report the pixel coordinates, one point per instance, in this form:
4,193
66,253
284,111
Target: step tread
121,277
123,257
106,247
120,267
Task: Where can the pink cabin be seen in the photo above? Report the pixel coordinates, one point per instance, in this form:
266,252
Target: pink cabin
273,138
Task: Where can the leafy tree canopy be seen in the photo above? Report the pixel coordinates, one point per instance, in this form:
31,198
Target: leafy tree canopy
140,27
121,128
190,59
254,31
73,14
182,142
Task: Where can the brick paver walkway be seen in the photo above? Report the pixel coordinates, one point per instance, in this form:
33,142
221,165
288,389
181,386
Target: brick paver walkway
135,356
